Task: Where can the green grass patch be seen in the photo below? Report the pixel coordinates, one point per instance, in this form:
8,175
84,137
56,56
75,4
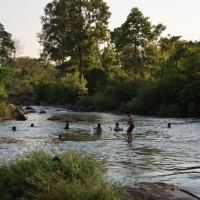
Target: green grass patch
37,176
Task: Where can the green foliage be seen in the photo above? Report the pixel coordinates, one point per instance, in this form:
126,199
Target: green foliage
74,85
189,98
71,29
85,101
38,176
141,71
135,30
99,101
146,99
121,89
109,58
27,72
68,89
5,110
4,80
3,94
169,110
6,46
97,79
134,34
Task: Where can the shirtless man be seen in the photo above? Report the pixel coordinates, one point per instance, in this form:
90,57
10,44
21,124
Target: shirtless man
98,129
131,127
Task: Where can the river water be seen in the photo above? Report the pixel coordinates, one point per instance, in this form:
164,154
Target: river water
157,153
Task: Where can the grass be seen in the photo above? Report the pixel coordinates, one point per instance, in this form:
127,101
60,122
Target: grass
70,177
5,111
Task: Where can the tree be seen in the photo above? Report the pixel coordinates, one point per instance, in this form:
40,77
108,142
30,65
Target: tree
19,48
134,34
27,73
137,31
6,46
71,29
109,57
4,79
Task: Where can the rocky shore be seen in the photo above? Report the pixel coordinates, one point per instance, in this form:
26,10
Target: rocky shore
158,191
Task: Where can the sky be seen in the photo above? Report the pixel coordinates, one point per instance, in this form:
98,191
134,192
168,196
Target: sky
21,18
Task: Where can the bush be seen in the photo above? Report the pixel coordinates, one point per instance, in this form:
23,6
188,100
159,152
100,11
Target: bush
169,110
85,101
5,110
69,176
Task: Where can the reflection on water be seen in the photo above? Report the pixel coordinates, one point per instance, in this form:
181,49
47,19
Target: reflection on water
158,153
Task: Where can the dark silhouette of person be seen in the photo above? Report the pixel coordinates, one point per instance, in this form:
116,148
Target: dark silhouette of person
98,129
131,127
14,128
67,126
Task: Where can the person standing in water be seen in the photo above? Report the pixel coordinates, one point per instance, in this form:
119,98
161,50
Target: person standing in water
98,129
131,127
67,126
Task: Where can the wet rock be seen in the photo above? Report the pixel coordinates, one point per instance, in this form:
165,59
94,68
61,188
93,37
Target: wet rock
55,118
42,112
28,108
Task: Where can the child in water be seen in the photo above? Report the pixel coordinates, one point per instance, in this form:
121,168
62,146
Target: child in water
117,128
98,129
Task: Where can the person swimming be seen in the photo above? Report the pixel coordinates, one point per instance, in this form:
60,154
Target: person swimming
117,128
14,128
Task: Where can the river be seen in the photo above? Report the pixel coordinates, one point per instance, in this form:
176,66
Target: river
157,153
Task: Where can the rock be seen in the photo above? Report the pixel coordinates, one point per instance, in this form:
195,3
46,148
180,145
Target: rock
19,114
28,108
42,112
55,118
158,191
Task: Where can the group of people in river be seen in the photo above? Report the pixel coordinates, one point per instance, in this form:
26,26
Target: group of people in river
117,128
98,128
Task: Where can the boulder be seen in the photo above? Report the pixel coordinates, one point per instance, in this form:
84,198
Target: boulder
55,118
158,191
19,114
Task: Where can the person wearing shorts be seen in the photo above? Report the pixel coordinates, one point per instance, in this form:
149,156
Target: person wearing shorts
131,127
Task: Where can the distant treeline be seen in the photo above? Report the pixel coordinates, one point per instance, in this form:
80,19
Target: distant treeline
83,63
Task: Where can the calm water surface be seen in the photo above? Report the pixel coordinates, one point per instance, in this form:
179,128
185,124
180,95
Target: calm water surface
157,153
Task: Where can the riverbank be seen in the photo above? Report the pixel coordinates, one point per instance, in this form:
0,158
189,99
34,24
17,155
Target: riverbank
158,191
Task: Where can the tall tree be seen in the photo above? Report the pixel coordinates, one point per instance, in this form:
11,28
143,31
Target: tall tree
136,30
133,35
6,45
71,29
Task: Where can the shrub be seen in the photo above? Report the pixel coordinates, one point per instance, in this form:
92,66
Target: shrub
169,110
5,110
70,176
